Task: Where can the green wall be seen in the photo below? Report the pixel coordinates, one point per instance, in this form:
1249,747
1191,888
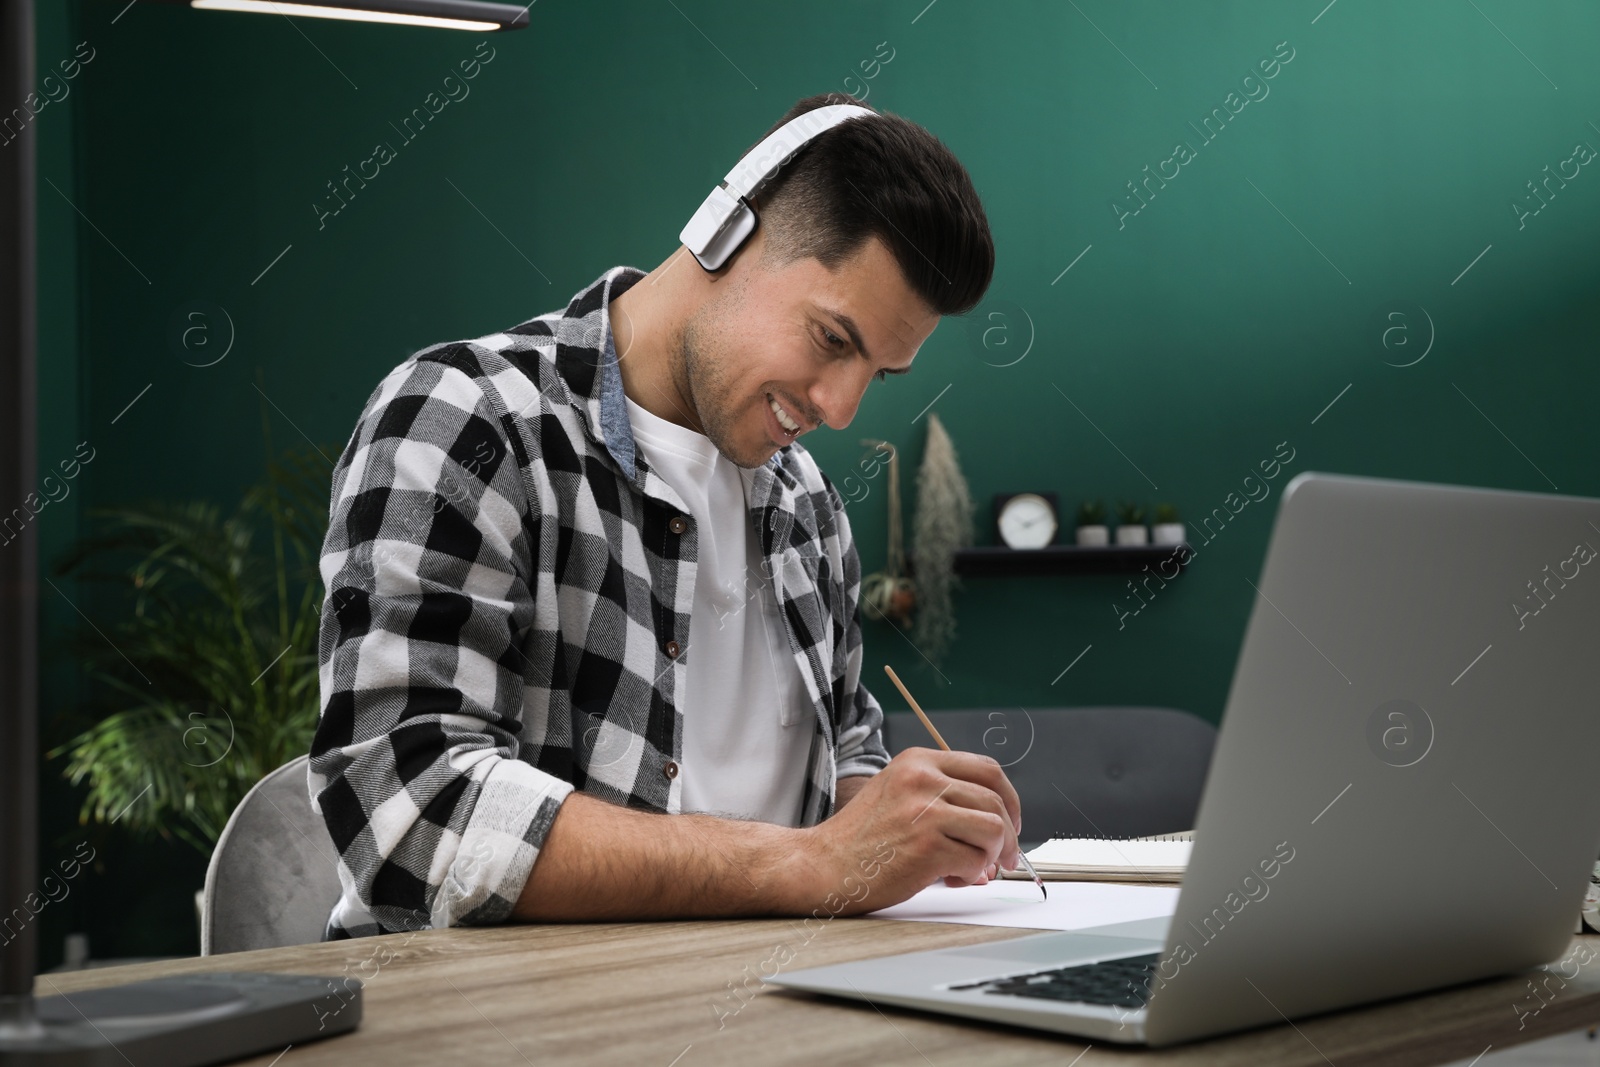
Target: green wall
1192,338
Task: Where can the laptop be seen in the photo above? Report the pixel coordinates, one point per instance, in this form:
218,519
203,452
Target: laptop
1402,797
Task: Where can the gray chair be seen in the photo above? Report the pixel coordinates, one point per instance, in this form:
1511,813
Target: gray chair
273,877
1082,772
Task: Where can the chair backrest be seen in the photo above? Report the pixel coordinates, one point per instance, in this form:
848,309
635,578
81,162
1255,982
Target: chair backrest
1082,772
273,877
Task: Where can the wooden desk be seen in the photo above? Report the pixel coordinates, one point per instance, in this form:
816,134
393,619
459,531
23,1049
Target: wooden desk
642,993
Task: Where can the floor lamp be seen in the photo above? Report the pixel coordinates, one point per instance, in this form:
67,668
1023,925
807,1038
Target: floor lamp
176,1022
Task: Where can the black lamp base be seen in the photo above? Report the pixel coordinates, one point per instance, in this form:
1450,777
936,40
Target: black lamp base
177,1022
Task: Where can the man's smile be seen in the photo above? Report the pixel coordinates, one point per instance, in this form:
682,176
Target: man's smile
789,428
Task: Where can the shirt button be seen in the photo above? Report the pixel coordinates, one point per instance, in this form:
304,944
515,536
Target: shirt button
672,649
678,524
670,769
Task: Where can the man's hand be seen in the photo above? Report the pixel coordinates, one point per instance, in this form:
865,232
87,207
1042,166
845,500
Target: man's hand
927,815
949,815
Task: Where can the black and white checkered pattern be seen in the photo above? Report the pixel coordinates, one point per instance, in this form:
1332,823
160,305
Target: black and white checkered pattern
506,579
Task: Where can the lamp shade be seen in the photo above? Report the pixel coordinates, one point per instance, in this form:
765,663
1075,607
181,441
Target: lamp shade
474,15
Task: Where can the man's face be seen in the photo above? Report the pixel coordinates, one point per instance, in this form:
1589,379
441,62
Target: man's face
809,338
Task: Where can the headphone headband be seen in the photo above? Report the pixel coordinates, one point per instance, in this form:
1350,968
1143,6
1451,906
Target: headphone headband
725,219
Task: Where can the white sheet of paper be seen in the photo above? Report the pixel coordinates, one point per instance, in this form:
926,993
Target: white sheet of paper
1071,906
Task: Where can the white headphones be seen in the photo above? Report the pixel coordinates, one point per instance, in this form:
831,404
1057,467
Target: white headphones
726,219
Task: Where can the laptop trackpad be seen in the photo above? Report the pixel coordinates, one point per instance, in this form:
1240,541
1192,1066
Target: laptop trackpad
1068,947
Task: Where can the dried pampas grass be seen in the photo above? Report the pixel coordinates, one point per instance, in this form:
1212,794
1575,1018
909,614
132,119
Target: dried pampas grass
942,524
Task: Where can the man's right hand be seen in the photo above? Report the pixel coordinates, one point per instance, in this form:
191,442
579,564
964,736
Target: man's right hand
949,815
927,815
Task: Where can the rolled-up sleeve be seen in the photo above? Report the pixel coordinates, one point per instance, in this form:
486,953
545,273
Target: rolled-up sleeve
428,571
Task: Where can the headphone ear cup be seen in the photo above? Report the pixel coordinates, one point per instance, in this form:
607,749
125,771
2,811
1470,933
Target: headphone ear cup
728,240
726,218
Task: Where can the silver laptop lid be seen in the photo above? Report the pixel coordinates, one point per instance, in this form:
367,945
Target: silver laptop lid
1404,793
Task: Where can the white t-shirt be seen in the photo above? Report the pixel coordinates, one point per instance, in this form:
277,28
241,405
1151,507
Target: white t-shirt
748,722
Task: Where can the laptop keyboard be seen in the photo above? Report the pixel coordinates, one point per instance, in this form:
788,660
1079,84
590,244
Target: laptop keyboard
1122,982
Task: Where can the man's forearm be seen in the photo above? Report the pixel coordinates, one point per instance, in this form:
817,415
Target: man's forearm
927,815
603,861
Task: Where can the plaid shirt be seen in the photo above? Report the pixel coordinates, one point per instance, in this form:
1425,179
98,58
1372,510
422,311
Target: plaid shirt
509,587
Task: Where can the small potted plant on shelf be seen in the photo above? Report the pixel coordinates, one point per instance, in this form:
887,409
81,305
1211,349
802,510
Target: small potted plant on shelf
1131,529
1167,530
1092,523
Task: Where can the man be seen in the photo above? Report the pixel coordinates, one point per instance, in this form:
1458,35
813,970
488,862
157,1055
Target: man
591,645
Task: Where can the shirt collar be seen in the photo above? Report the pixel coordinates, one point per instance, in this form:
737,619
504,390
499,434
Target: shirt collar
586,361
592,372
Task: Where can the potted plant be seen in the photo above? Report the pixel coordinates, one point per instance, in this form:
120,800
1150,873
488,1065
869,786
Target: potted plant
1131,529
942,524
1092,528
1167,530
213,683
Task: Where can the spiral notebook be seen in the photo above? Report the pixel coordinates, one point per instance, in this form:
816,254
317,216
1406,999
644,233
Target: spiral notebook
1156,860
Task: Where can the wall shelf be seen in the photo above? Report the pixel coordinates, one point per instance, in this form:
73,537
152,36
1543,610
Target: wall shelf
998,561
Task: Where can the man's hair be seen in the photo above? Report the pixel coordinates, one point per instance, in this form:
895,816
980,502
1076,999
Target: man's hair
883,177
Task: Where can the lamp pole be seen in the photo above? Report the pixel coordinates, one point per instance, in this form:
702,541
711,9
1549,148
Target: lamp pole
19,586
174,1022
